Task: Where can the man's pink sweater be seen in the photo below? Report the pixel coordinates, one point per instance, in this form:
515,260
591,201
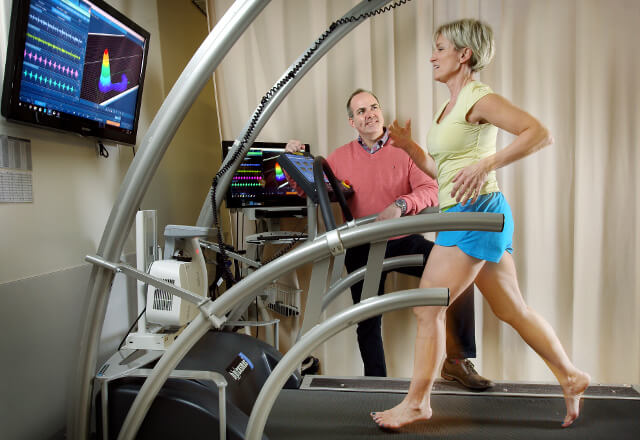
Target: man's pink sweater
380,178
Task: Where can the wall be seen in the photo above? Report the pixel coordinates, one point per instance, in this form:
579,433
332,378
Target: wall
43,276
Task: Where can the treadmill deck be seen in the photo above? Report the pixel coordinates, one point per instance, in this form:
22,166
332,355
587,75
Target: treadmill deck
523,411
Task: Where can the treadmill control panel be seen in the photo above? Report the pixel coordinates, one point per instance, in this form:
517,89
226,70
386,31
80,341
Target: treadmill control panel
300,167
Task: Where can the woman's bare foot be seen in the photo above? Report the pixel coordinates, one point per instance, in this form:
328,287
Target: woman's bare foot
573,390
401,415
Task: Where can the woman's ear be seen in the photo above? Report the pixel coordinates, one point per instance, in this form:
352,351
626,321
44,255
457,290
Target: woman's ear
465,54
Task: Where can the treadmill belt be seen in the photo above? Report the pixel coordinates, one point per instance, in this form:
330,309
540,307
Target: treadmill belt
396,385
335,415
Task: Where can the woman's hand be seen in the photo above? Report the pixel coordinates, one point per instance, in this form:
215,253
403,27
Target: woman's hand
401,136
468,182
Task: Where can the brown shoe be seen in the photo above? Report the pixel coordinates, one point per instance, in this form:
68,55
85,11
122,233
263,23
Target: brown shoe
464,372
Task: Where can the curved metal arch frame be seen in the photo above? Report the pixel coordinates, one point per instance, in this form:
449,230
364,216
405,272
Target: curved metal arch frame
206,214
152,148
163,128
307,253
160,133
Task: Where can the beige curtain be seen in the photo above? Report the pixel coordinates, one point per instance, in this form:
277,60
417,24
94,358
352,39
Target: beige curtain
571,63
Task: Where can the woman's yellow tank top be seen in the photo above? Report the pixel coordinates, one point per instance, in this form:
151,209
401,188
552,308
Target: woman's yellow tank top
455,143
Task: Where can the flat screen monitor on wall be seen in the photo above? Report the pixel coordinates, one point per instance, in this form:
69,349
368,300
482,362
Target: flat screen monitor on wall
259,181
77,66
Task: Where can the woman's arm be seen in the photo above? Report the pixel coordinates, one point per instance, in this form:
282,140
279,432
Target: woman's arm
531,134
531,137
401,138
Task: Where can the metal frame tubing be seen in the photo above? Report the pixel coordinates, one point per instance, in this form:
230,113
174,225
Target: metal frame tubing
308,252
374,264
318,249
213,376
320,333
206,214
358,275
158,136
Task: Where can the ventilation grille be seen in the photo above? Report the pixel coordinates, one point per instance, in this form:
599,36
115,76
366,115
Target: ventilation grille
163,300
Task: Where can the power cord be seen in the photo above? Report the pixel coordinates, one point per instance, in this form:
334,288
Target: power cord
102,150
294,241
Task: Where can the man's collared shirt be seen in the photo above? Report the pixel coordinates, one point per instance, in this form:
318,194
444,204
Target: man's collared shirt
379,143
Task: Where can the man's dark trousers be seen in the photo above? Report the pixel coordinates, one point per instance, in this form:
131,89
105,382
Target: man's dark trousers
460,315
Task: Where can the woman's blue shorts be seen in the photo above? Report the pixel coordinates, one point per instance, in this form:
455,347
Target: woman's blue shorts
483,245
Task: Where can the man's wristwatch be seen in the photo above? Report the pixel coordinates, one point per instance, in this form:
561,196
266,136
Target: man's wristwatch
402,204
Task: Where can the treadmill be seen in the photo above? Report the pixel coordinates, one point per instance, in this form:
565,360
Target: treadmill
319,407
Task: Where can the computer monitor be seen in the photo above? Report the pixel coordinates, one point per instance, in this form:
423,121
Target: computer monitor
259,182
77,66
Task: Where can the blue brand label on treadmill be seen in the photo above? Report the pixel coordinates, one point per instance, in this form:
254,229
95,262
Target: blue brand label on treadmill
102,370
239,366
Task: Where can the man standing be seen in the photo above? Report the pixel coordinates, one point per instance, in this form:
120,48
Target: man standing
386,181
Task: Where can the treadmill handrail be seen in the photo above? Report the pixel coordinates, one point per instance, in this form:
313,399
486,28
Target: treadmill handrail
319,248
320,333
307,253
388,265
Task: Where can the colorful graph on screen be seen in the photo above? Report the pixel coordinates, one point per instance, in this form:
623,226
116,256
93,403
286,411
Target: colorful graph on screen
279,173
110,66
105,85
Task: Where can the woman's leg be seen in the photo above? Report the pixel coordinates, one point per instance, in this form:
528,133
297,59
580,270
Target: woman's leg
499,284
446,267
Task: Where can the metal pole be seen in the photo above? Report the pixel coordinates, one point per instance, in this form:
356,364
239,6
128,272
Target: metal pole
163,128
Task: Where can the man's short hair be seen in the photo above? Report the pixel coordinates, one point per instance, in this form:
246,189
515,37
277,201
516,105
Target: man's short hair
357,92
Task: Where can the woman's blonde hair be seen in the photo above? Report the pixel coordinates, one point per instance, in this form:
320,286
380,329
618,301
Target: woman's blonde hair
471,33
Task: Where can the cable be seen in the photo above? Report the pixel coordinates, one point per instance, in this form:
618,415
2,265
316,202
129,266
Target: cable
293,71
102,150
294,241
131,328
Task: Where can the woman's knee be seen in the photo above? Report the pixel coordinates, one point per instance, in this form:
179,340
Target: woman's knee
429,314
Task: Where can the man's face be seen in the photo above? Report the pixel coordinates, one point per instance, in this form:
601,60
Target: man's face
367,116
